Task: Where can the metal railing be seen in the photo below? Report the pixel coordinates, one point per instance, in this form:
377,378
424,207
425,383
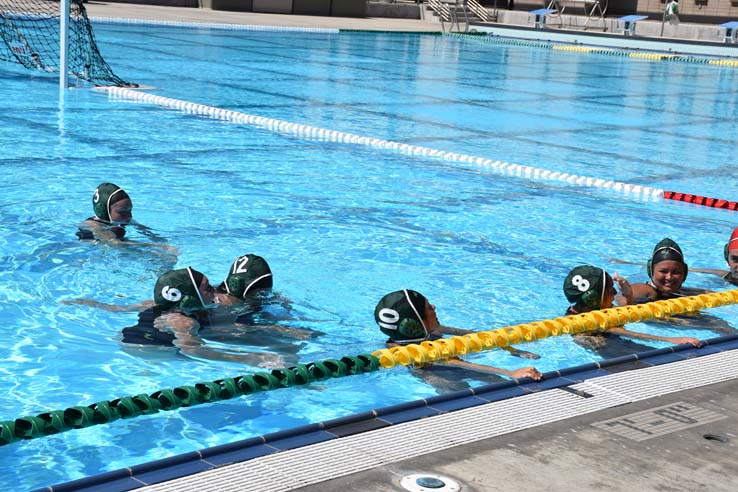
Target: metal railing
454,11
441,9
476,8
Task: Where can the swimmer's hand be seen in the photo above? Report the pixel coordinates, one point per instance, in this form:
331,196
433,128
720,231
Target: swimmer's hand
526,372
267,360
695,342
175,322
523,354
113,308
169,248
625,296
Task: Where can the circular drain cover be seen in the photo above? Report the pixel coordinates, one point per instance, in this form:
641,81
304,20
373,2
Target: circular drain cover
426,482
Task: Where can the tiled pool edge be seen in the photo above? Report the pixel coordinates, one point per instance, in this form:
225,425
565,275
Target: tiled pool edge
208,459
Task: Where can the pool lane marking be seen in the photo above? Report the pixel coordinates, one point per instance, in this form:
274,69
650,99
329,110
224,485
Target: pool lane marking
701,200
315,133
588,49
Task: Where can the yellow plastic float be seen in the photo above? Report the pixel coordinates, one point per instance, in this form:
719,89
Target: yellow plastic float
447,348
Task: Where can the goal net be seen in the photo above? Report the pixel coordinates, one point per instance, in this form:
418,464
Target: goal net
31,36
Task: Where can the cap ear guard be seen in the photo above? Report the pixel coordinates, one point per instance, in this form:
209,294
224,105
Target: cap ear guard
592,299
233,284
190,303
412,329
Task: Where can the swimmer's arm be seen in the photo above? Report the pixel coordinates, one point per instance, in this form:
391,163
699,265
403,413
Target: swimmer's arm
296,333
134,244
113,308
641,293
188,341
525,372
512,350
523,354
100,232
644,336
103,233
624,262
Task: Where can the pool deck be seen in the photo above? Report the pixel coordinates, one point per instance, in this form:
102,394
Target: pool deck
667,422
180,14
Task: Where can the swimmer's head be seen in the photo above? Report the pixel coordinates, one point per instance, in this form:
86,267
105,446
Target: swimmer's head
111,204
182,289
732,245
590,286
248,274
666,250
400,316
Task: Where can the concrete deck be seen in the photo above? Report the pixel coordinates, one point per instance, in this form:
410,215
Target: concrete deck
579,455
154,12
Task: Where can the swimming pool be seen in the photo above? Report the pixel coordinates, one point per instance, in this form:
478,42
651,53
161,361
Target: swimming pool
340,224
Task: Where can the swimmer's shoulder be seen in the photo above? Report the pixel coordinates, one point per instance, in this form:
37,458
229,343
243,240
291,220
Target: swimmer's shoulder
91,228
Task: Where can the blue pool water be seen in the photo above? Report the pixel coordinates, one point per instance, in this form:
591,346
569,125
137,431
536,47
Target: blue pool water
340,224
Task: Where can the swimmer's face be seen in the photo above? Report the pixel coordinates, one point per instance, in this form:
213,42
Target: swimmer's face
733,261
610,294
121,212
430,317
207,291
668,275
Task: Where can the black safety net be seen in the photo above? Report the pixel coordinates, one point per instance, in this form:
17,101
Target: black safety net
30,34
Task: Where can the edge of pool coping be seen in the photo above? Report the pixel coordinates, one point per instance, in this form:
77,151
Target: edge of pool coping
158,471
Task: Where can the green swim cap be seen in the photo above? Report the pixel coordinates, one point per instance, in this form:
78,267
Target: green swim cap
666,249
178,289
248,274
586,284
399,316
104,197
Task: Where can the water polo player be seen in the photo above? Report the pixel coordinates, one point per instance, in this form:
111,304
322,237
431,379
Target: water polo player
113,211
406,316
588,288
